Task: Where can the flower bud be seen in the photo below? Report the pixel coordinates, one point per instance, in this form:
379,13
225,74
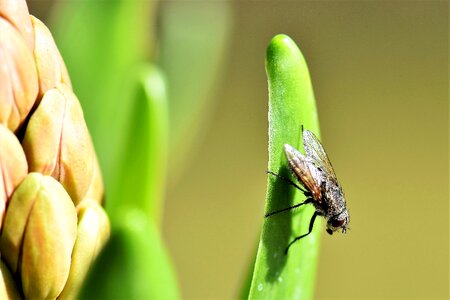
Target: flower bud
93,232
18,77
96,188
8,288
38,236
57,142
13,167
50,66
16,12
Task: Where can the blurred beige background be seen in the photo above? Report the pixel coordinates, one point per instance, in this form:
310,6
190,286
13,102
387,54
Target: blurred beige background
380,74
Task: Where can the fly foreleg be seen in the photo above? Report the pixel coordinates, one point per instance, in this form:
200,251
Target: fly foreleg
305,192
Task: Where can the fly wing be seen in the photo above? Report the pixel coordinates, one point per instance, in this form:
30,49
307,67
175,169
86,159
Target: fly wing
314,150
306,172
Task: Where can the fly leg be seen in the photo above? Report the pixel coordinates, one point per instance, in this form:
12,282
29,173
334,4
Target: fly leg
311,225
307,201
307,194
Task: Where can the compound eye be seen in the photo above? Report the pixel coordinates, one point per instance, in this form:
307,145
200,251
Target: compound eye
337,223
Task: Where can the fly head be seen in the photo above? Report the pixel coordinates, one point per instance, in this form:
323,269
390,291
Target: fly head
339,221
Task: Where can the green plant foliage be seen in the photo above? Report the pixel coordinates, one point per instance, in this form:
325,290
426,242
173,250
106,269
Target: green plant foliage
291,105
133,265
143,167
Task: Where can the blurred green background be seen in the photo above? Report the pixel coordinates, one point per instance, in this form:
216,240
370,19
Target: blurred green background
380,74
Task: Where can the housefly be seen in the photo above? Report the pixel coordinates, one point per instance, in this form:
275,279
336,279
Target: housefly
318,183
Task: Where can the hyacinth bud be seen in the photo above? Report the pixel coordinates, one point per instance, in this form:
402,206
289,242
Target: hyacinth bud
52,226
13,167
18,77
93,232
16,13
96,189
57,142
50,66
8,288
38,236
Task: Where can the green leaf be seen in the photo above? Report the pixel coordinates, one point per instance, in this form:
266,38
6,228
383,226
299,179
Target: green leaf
133,265
291,105
141,180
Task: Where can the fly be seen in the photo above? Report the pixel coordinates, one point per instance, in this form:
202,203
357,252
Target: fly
318,183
